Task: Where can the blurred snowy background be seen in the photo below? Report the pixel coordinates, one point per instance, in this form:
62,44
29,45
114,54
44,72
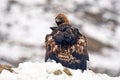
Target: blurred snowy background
24,24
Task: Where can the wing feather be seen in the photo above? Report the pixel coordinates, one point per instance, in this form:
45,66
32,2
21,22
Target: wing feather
51,47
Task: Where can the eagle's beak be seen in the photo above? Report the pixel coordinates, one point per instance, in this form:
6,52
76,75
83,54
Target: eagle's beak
58,20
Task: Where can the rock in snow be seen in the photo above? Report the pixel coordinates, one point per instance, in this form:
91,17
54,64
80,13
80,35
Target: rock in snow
45,71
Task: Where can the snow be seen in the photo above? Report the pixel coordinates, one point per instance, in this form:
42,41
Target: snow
31,2
45,71
104,4
24,29
31,31
98,36
112,64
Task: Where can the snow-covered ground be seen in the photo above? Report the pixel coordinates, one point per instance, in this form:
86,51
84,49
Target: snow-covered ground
24,24
46,71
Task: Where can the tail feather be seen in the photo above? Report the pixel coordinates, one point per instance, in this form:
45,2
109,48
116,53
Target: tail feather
83,65
75,65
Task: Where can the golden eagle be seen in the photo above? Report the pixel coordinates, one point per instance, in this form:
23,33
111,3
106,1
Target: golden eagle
66,45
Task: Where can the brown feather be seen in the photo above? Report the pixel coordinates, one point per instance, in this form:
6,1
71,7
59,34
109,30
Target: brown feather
66,21
69,46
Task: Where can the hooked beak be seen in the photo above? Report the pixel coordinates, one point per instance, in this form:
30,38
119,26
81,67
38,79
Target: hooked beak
57,20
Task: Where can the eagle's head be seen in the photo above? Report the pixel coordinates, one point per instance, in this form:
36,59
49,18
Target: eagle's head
61,19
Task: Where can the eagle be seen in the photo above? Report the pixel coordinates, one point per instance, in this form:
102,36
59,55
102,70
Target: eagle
66,45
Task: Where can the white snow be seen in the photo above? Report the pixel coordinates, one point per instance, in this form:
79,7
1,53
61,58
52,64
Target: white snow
31,2
110,61
97,33
25,29
45,71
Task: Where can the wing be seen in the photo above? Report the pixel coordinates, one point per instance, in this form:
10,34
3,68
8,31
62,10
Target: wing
79,51
81,48
51,48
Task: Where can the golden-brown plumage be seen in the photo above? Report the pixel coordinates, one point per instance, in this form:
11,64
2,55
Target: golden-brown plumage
67,45
63,17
